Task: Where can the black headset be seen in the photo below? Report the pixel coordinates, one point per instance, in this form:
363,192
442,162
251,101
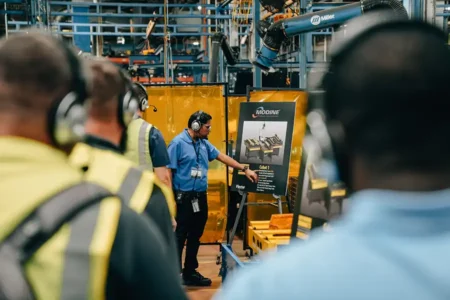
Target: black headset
196,125
355,32
129,101
143,96
68,114
360,29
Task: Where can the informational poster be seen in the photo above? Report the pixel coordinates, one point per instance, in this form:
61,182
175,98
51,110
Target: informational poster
264,145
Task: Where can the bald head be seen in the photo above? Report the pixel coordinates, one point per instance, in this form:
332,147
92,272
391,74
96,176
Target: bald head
34,71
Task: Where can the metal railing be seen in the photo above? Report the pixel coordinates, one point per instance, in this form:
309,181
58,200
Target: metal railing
81,19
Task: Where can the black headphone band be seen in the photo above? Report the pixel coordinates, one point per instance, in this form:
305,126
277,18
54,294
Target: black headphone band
199,116
76,95
78,83
143,96
126,107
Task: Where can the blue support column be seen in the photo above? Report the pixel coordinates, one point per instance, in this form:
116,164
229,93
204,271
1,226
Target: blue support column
418,9
198,75
83,42
257,74
302,54
415,8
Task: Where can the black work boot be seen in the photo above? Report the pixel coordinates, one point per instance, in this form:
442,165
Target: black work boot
195,279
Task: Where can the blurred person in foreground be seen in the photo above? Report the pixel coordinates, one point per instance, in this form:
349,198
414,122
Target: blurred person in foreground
387,105
100,250
113,104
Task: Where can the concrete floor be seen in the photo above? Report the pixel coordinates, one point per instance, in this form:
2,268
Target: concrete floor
207,258
207,267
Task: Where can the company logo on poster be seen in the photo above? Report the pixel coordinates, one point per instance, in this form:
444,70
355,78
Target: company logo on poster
261,112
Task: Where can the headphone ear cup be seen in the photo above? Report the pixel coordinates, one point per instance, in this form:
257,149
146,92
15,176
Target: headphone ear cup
128,108
68,121
195,126
143,104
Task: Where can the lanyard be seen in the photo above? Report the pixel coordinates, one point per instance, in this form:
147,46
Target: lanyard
197,153
197,150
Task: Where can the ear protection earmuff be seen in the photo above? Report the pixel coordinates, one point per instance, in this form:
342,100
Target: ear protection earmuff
68,115
128,101
142,96
196,124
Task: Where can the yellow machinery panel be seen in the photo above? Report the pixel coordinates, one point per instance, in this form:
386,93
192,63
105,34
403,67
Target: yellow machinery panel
261,237
175,104
301,99
234,107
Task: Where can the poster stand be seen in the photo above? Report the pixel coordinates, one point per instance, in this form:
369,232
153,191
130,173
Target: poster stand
299,195
264,142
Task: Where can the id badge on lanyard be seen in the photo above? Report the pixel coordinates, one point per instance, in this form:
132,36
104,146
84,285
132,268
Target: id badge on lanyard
195,205
196,173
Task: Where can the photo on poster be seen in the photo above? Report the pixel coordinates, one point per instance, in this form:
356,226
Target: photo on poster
263,142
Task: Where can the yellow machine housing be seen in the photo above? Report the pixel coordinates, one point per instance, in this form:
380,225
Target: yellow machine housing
264,235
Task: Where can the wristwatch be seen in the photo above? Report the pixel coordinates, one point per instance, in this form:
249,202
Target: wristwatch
245,169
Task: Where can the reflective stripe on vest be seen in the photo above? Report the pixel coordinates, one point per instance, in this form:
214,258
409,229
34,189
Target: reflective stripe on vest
76,277
74,263
138,144
92,234
136,189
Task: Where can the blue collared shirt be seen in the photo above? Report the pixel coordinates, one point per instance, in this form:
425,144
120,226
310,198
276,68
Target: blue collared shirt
390,245
158,148
184,158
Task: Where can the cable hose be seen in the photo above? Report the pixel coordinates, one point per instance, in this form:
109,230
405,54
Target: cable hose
373,5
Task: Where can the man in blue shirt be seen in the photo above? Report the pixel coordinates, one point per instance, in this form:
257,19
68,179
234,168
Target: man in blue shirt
189,153
387,105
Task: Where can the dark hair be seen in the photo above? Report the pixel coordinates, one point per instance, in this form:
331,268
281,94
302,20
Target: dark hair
390,92
202,117
35,61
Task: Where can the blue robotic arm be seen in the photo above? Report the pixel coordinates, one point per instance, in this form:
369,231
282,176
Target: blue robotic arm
286,28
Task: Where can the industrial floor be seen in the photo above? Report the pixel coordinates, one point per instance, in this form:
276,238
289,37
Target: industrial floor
207,258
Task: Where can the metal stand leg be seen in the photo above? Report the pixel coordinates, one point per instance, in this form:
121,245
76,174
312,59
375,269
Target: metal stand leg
238,216
280,205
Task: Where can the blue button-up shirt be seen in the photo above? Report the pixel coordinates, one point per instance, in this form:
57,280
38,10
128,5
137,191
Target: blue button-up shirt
390,245
186,156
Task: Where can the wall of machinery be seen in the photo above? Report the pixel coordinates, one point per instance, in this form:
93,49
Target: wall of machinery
199,41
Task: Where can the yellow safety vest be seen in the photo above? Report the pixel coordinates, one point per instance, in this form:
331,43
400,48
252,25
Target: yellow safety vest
74,263
119,175
138,144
